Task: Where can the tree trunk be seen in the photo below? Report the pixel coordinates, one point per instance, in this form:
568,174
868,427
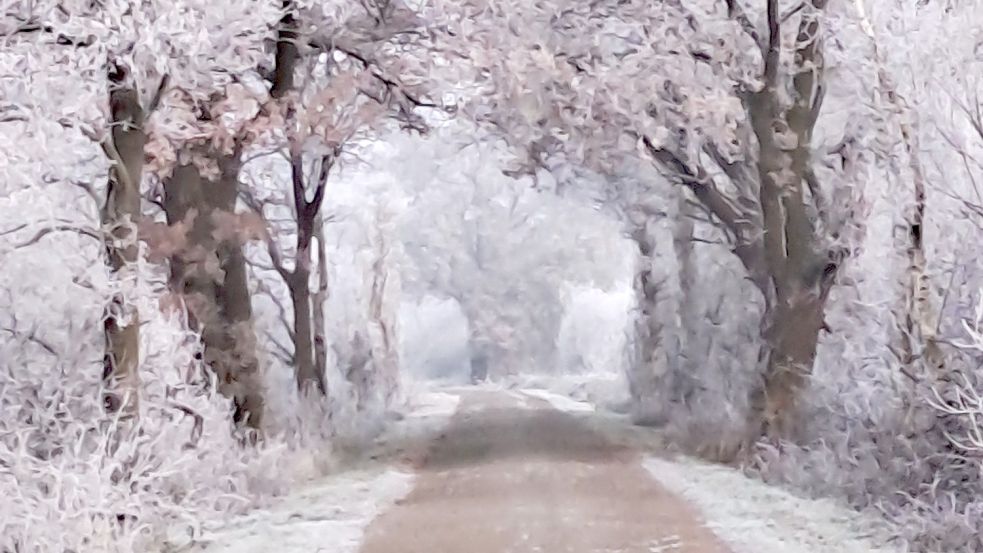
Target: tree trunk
691,344
644,371
385,353
478,361
212,274
800,281
320,299
307,213
919,339
286,51
480,344
792,338
119,217
921,314
801,275
358,368
300,295
299,283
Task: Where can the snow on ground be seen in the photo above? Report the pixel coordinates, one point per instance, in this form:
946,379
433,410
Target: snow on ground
559,402
526,398
330,515
753,517
433,404
606,390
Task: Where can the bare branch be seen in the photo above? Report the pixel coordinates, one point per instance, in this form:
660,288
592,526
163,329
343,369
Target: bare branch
817,101
773,52
90,191
736,12
59,228
818,200
390,83
13,230
736,172
747,241
276,257
701,185
11,114
263,154
297,181
281,351
199,423
161,88
787,15
33,338
327,162
262,287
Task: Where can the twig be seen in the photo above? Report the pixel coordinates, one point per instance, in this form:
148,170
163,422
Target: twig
59,228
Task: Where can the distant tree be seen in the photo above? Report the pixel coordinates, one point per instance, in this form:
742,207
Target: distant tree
500,249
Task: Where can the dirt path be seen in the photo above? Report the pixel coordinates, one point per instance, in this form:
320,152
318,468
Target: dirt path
503,479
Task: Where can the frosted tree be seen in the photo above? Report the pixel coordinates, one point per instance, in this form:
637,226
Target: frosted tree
140,68
346,89
723,106
499,248
80,82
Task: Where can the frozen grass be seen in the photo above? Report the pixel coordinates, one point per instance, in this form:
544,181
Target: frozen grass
331,515
432,406
74,478
753,517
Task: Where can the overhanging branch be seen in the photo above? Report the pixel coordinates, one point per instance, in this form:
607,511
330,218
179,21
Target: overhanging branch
773,50
736,12
702,186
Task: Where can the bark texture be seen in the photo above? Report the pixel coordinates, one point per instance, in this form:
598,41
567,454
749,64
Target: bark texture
119,216
320,299
646,375
690,344
211,273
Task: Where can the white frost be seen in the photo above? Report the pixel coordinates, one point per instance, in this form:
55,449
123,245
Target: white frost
330,517
433,404
333,514
752,517
560,402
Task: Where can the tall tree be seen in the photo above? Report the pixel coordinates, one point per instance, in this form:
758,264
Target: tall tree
723,108
920,317
211,271
135,44
120,214
343,90
202,193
